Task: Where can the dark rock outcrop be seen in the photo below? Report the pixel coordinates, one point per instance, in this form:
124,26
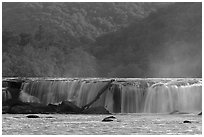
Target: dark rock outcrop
5,109
52,108
68,107
96,110
174,112
11,91
28,108
14,87
14,105
178,112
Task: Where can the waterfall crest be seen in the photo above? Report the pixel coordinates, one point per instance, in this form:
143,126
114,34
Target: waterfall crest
124,96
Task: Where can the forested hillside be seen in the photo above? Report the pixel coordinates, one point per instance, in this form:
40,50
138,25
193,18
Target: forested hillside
168,43
101,39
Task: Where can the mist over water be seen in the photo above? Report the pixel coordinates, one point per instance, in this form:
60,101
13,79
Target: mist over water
168,43
178,59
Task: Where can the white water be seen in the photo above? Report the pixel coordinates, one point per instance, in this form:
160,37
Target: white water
5,94
126,96
169,98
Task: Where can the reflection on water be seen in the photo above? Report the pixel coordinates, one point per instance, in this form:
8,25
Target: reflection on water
91,124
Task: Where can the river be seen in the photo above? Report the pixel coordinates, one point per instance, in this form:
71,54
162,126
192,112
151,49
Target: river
126,124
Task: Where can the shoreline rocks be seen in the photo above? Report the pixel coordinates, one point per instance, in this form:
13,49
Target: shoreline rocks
96,110
66,107
15,105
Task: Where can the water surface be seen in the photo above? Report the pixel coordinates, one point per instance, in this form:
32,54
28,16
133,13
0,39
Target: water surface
61,124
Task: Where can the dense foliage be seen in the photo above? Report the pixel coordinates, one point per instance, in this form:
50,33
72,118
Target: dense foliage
168,43
101,39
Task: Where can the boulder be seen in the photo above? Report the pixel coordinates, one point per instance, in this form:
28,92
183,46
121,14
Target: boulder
96,110
186,121
32,116
108,119
200,113
49,117
112,117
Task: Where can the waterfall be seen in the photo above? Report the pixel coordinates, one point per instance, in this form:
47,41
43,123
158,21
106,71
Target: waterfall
53,92
6,95
167,97
124,96
133,98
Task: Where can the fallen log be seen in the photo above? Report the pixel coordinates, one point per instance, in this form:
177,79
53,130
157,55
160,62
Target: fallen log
98,95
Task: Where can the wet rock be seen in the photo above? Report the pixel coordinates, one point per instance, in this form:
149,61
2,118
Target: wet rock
25,109
52,108
96,110
20,110
18,107
112,117
68,107
174,112
32,116
42,109
178,112
49,117
12,103
200,113
6,95
14,87
108,119
5,109
186,121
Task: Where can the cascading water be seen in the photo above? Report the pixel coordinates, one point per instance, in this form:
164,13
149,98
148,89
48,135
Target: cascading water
77,91
6,95
124,96
168,97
